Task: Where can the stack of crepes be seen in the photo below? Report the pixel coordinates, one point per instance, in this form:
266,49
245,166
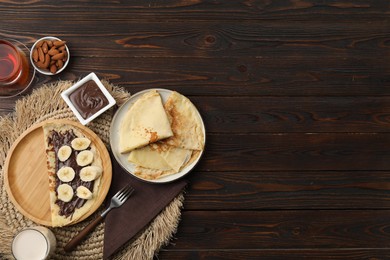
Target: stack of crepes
161,139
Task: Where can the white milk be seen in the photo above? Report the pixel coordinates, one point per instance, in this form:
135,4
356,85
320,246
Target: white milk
33,244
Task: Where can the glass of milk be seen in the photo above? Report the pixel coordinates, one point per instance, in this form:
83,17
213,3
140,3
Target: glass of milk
34,243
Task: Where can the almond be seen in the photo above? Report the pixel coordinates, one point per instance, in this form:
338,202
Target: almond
50,55
47,60
40,65
35,55
53,68
45,48
58,56
59,64
39,44
53,51
41,55
59,43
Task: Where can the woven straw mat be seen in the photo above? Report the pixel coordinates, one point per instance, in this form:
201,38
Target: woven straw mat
45,103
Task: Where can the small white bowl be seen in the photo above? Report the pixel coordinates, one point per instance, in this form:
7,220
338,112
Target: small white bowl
47,72
92,76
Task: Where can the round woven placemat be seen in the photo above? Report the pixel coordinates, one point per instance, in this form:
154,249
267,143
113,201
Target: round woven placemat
45,103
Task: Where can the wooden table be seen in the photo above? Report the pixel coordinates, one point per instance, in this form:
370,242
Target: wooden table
295,96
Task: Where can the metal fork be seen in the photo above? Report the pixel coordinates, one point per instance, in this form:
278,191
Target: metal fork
116,201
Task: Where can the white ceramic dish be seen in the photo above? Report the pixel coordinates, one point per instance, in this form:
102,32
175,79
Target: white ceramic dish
122,158
91,76
47,72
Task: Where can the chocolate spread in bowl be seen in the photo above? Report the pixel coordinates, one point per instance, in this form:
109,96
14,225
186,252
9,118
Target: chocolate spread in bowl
88,99
58,140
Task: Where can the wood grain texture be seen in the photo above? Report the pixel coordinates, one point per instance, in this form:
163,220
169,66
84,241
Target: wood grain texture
278,190
26,177
252,76
248,76
296,152
337,39
287,254
198,10
304,229
295,99
295,114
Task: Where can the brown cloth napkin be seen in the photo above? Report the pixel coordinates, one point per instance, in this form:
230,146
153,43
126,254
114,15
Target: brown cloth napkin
148,199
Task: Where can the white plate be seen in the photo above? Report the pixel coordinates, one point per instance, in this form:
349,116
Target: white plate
122,158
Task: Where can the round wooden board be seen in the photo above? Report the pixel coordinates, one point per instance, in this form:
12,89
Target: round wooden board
26,178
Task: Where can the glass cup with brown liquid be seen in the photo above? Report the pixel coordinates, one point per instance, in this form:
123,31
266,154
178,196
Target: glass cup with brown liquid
16,74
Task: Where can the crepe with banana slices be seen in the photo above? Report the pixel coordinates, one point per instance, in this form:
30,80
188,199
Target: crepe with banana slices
145,122
74,169
171,155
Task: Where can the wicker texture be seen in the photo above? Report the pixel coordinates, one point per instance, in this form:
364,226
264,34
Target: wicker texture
45,103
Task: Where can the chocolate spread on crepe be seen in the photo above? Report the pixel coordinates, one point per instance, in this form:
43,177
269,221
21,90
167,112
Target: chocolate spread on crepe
58,140
66,212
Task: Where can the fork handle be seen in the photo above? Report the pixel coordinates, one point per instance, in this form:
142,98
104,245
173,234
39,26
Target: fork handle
80,236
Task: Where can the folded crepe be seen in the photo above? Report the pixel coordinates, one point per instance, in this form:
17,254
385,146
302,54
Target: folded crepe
145,122
185,122
153,157
172,154
152,162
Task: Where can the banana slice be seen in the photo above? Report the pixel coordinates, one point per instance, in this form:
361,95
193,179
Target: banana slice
66,174
83,193
84,158
64,153
65,192
80,143
90,173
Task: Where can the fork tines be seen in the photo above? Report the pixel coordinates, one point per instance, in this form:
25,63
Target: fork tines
124,193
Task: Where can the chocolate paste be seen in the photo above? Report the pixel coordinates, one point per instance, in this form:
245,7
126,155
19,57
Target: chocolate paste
88,99
58,140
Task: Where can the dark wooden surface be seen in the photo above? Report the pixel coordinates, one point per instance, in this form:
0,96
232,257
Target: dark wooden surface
295,96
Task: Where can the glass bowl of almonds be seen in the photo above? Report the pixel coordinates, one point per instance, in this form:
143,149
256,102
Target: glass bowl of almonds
49,55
